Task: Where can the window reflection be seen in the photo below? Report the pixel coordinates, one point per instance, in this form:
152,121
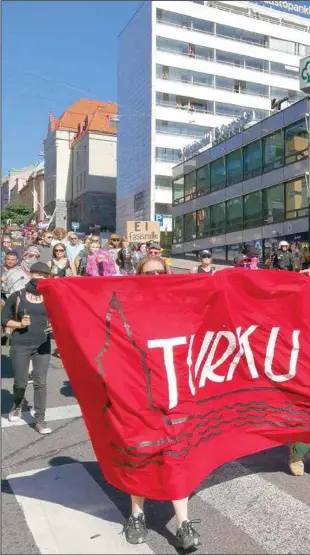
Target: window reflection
273,204
252,155
203,180
296,139
273,151
252,209
234,170
203,222
234,214
178,229
190,226
218,174
296,198
218,218
178,190
190,185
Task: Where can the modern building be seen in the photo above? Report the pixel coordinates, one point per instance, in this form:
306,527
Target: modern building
80,166
185,68
32,192
251,189
13,183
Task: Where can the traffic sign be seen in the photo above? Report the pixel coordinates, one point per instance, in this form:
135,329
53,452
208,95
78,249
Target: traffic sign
160,219
76,225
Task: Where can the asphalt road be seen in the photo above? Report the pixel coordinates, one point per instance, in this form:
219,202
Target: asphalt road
57,501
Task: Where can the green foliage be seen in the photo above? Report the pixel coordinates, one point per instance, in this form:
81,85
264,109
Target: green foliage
17,213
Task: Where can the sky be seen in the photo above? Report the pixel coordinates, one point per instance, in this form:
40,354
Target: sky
53,53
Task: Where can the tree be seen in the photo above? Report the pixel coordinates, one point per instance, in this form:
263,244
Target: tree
16,212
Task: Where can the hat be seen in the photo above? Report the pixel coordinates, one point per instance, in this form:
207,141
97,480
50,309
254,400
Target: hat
41,268
283,244
155,246
205,254
14,227
32,250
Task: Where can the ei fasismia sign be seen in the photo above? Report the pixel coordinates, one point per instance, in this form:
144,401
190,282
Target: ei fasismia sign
217,135
293,8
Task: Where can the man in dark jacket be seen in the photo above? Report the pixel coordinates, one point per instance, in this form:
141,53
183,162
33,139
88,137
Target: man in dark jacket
283,259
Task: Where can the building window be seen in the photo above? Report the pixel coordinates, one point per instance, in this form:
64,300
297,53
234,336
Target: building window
203,26
234,214
163,209
178,190
252,209
218,218
162,181
240,35
203,222
284,69
273,147
171,18
190,185
175,128
233,250
203,79
234,169
282,45
203,180
296,138
241,87
219,253
218,174
273,204
297,201
178,229
190,226
167,154
252,156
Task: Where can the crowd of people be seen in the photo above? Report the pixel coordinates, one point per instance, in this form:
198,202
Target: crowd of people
29,257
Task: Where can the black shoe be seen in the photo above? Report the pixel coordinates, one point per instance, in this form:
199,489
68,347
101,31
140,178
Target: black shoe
135,529
188,538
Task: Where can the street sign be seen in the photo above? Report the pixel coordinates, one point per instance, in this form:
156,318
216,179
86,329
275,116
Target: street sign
304,75
141,232
160,219
75,225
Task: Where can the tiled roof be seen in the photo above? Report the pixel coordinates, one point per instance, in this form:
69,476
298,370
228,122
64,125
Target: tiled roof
76,114
97,122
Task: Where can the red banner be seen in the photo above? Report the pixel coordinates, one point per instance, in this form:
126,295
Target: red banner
176,375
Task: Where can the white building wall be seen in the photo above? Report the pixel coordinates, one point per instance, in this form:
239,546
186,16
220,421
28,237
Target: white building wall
138,41
134,98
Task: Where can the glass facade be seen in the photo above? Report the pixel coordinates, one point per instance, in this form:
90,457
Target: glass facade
297,202
218,218
234,215
285,146
273,204
252,209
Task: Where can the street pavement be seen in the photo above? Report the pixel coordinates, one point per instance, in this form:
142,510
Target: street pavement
56,501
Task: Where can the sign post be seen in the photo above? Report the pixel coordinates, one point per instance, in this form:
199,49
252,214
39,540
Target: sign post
75,226
142,232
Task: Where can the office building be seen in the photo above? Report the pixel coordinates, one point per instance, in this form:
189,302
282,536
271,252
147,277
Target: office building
186,68
250,189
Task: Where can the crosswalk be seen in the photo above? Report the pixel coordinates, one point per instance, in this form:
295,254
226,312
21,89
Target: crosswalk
69,511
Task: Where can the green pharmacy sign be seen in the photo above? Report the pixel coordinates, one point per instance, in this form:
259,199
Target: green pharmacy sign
304,75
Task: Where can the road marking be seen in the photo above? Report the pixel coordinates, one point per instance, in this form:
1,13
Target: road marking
54,413
277,521
67,512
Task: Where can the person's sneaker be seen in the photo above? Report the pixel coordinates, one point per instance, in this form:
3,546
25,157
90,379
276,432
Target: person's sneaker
296,465
30,376
15,414
188,538
42,428
135,529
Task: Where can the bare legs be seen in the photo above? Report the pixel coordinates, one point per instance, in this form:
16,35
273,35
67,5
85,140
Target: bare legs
180,507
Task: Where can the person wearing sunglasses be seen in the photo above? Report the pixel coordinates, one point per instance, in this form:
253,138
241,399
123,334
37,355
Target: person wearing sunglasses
6,246
113,246
154,266
153,249
204,267
60,265
46,249
73,247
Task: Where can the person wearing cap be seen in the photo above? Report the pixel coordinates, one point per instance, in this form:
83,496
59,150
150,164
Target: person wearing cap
25,314
153,249
283,258
204,267
18,276
248,258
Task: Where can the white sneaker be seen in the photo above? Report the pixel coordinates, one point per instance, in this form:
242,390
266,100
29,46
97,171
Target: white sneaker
42,428
15,414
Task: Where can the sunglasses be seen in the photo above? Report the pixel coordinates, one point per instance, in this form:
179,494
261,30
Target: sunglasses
49,237
59,250
74,238
117,240
155,272
6,242
206,256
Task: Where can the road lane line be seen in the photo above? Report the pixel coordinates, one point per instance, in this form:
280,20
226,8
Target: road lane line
67,512
54,413
277,521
